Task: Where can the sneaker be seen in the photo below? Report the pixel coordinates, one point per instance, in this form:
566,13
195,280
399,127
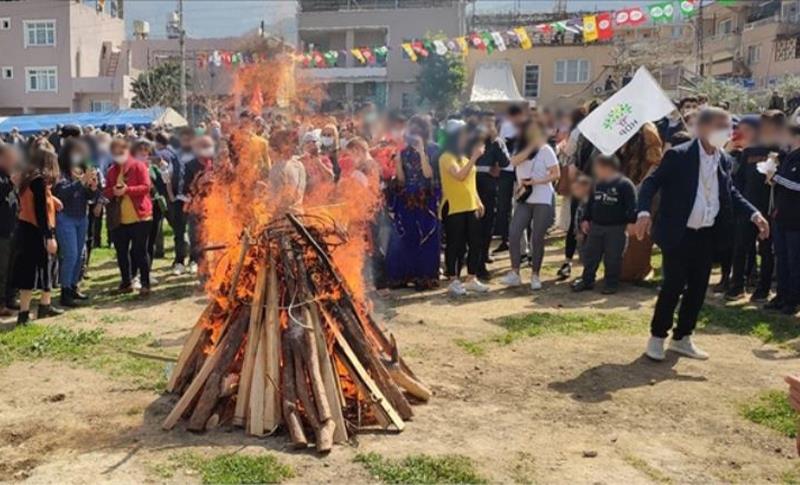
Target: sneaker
759,296
122,289
610,289
193,268
144,293
511,279
76,294
476,286
655,348
536,283
136,284
565,271
501,248
581,284
734,294
178,269
686,347
775,304
456,288
153,280
45,311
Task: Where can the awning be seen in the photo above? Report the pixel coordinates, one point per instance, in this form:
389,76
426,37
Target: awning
29,124
494,83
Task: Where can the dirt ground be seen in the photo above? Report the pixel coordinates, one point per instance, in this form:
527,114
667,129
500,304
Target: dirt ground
577,408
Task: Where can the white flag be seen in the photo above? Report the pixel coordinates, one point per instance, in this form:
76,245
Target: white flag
440,47
615,121
499,41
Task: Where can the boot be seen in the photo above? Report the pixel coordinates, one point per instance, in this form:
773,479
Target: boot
23,318
48,311
67,300
77,295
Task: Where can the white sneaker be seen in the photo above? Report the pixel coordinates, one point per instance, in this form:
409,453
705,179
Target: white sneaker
536,283
178,269
655,348
153,281
686,347
511,279
193,268
456,288
476,286
136,284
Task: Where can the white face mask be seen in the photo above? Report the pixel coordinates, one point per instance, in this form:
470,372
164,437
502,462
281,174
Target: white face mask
327,141
75,159
718,138
120,159
206,153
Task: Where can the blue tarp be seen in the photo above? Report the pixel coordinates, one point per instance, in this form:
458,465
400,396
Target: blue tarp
30,124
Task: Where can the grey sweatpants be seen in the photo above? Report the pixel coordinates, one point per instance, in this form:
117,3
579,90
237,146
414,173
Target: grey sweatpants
541,215
606,243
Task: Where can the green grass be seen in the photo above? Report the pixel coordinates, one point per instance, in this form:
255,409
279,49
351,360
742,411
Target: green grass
421,469
536,324
751,321
228,469
91,348
653,473
772,409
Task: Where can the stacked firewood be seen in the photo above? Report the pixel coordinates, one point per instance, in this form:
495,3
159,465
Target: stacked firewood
290,347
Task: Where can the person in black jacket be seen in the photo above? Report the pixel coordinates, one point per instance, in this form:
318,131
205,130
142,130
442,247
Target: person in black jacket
754,188
610,210
488,167
786,184
9,207
697,201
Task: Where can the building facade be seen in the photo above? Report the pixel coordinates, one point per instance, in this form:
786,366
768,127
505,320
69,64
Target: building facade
346,24
61,56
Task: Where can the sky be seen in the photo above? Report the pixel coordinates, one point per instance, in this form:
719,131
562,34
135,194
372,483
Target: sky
220,18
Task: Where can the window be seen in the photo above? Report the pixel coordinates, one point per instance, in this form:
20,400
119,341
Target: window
572,71
531,81
8,72
753,54
101,106
41,79
40,33
5,23
725,26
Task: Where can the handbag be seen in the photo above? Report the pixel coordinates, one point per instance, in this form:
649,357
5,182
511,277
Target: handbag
522,192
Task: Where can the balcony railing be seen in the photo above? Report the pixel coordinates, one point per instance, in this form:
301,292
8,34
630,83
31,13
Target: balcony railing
773,19
335,5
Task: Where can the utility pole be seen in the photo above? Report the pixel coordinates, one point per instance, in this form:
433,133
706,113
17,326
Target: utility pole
182,42
698,35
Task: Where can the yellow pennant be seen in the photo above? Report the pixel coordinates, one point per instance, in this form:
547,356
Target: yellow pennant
462,44
410,51
358,55
524,40
590,28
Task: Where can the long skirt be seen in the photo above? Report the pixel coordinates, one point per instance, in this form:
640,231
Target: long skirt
636,262
33,268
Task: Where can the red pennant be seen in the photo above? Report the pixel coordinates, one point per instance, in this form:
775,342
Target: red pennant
419,48
636,16
368,55
477,41
604,29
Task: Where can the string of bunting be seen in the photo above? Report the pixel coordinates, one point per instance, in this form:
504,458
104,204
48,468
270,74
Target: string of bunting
594,27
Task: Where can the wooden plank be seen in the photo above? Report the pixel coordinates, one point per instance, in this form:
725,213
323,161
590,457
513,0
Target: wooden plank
253,334
373,388
189,347
328,378
380,415
255,424
272,331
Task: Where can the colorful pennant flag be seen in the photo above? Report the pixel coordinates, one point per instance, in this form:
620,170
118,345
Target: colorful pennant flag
661,12
381,53
688,8
368,55
499,42
358,55
590,28
635,16
440,47
409,50
604,29
488,42
462,44
524,39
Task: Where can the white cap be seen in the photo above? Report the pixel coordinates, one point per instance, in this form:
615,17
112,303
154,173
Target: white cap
454,125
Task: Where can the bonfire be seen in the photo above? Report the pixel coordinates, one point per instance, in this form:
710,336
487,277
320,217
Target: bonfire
286,344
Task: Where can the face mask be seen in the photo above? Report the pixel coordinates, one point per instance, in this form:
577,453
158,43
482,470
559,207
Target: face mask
206,152
75,159
120,159
371,117
327,141
718,138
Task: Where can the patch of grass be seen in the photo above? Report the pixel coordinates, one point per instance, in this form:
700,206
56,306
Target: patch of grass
535,324
772,409
653,473
524,468
109,319
228,469
422,469
749,321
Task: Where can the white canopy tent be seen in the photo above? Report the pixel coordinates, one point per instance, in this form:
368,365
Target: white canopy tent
494,83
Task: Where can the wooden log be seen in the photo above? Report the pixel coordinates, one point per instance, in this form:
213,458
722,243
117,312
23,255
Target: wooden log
289,404
227,352
380,414
408,383
272,350
196,339
253,335
255,423
325,435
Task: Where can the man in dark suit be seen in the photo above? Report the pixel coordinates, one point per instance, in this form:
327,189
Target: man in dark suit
698,200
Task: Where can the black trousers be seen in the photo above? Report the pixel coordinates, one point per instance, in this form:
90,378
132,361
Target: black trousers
130,243
606,243
463,231
687,268
746,242
487,191
152,235
571,242
505,195
179,221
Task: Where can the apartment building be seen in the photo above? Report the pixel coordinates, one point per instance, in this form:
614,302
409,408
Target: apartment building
61,56
346,24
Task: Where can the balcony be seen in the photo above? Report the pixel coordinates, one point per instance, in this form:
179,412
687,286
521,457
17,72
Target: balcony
335,74
781,24
727,42
118,85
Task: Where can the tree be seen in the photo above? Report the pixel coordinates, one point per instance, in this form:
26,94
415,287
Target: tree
159,86
441,81
718,91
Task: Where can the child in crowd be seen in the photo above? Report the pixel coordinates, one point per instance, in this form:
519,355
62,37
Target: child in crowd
610,209
581,189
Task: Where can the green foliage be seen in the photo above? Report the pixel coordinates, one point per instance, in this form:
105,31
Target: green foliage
772,410
719,91
158,86
788,87
39,341
423,469
229,469
441,81
751,321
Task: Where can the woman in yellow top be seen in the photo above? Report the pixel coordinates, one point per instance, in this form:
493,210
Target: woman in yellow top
461,208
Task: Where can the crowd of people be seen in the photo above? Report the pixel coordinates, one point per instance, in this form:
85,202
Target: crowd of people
714,188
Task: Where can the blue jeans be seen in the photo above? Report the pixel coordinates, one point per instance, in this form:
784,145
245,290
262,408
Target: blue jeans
787,256
71,237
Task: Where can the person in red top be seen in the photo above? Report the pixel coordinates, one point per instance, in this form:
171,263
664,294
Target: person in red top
130,215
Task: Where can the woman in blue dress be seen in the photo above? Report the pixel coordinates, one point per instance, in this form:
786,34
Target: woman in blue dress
413,252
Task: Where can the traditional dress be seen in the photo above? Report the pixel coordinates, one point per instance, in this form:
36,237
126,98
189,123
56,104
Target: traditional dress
413,252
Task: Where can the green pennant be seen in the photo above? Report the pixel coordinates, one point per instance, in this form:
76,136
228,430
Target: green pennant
488,41
688,8
560,26
661,12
